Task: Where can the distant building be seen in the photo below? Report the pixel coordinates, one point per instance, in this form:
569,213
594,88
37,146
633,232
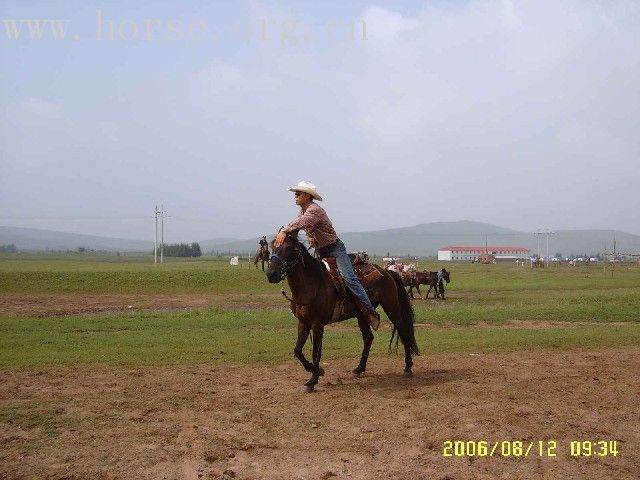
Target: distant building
457,253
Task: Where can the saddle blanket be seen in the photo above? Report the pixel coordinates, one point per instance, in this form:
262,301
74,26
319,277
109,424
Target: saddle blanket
408,277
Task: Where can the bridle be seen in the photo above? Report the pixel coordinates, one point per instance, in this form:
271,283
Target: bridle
286,267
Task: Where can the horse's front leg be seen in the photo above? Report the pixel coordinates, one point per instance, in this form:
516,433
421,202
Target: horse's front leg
367,339
418,290
303,334
410,292
316,370
442,290
429,291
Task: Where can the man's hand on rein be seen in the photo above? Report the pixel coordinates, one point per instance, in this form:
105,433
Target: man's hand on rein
279,239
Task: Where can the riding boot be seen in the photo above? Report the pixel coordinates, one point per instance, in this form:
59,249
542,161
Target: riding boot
373,317
374,320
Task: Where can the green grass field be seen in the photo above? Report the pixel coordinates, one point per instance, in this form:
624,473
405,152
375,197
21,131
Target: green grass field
487,295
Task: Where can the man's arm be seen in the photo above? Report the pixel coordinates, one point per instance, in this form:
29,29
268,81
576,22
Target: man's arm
303,222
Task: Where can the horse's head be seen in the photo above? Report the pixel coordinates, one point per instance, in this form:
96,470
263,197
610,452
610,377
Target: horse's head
284,258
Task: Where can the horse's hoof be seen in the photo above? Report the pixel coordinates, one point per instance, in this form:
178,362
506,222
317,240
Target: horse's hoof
320,371
357,372
407,374
308,388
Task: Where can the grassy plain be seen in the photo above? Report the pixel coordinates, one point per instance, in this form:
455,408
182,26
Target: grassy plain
558,307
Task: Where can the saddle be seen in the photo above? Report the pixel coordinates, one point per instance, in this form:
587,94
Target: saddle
367,272
408,277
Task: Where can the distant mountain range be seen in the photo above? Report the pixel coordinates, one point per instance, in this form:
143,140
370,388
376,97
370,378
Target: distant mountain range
37,239
422,240
426,239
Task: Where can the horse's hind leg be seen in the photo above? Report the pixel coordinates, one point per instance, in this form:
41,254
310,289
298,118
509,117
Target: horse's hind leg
418,290
367,339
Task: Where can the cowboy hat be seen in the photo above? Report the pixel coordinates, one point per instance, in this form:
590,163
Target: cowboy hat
307,187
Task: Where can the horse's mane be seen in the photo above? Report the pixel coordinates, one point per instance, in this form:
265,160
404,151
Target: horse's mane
312,264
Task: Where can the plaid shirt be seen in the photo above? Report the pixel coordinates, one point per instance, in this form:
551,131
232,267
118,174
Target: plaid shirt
316,223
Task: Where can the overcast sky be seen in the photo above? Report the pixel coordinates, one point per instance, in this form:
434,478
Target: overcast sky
525,114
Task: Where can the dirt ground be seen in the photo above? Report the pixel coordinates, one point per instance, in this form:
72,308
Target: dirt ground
61,304
230,421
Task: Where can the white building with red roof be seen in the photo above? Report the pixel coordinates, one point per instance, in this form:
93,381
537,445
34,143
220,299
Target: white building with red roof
456,252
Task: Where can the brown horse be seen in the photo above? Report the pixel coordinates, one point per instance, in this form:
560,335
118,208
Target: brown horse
414,280
314,298
438,286
262,254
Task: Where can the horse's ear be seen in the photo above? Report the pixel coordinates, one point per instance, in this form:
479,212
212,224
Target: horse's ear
281,228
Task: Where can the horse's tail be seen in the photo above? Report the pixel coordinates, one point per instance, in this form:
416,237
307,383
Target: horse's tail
406,330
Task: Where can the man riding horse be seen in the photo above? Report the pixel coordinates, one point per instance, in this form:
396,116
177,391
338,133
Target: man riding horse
264,245
322,236
262,253
317,299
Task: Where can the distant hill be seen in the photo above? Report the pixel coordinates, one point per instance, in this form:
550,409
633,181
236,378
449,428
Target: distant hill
422,240
208,245
426,239
37,239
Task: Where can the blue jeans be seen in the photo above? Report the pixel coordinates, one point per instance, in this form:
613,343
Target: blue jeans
351,280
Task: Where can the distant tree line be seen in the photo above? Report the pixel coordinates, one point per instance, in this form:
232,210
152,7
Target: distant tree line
87,250
9,248
182,250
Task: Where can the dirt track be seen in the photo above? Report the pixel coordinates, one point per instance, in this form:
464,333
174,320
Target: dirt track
61,304
244,422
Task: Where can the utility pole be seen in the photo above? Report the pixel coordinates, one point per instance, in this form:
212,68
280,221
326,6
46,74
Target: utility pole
545,232
161,233
613,267
155,240
548,232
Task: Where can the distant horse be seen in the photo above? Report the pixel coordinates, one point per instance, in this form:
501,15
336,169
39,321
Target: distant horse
537,263
437,285
262,254
401,267
314,299
414,280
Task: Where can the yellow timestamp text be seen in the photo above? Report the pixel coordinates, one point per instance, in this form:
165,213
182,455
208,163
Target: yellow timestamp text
504,448
594,448
528,448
